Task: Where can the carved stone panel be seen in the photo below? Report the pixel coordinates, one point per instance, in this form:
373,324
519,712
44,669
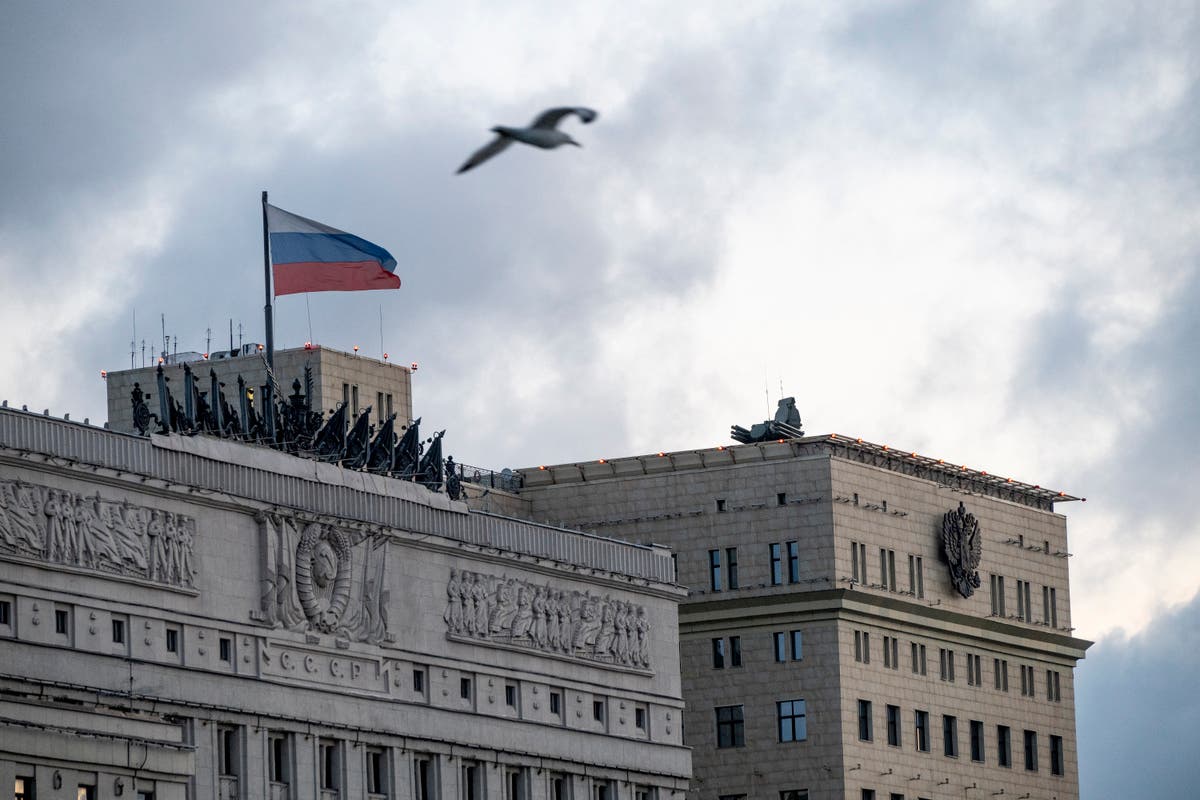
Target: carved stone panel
323,579
512,612
120,538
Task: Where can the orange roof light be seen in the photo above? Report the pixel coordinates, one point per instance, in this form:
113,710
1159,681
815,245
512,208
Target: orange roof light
542,467
602,461
413,366
104,374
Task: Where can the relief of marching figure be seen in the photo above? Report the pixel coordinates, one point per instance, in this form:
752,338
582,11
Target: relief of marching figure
88,531
579,624
320,578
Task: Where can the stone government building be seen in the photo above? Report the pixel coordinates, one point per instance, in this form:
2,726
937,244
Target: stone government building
200,618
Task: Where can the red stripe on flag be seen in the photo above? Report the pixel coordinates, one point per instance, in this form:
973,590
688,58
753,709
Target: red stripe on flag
353,276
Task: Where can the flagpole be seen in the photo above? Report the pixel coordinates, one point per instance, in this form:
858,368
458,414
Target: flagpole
267,283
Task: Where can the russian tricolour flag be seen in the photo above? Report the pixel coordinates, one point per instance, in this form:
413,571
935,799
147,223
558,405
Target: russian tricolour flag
307,256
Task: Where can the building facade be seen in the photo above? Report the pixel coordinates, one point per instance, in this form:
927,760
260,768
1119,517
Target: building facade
190,617
861,623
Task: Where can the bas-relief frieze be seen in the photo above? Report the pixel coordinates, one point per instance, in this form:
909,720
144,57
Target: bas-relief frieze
565,623
319,578
77,530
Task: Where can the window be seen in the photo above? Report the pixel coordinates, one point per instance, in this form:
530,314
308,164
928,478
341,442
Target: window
976,740
389,405
864,720
730,726
346,393
472,781
776,564
921,718
797,645
891,652
5,613
639,719
1003,745
464,688
24,789
1053,620
887,569
61,621
85,792
1024,605
858,561
602,790
997,587
1000,667
555,703
718,653
1031,759
419,681
780,646
1056,755
1027,687
515,779
510,695
950,736
916,576
792,724
1053,686
354,399
794,794
714,570
974,670
793,552
423,778
118,631
946,665
279,766
868,794
560,787
862,647
226,649
893,725
720,504
781,499
735,651
330,765
172,640
379,404
229,751
918,659
377,771
731,570
598,710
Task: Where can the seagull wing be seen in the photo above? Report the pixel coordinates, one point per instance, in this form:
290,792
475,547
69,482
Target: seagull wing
492,148
549,118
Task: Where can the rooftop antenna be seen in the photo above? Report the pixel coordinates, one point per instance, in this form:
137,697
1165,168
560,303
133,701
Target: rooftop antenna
239,336
143,352
231,336
207,341
767,394
381,350
133,341
163,318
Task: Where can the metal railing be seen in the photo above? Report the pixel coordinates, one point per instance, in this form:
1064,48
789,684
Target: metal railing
506,479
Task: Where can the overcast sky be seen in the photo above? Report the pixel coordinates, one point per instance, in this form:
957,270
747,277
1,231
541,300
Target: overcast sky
966,229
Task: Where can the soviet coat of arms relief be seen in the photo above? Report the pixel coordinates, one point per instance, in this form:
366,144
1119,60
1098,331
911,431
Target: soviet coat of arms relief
962,548
321,578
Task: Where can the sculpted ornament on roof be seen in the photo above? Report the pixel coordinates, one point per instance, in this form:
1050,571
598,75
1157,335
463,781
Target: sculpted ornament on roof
115,537
514,612
321,578
962,548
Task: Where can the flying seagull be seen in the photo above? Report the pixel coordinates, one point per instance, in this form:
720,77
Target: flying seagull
541,133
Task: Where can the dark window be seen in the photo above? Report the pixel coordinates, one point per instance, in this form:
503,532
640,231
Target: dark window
893,725
780,646
379,404
891,652
555,703
976,740
118,631
793,551
1056,755
280,758
921,718
916,576
226,649
735,651
776,564
793,727
60,621
794,794
423,774
868,794
720,504
918,659
1000,674
389,405
730,727
1003,745
419,681
464,688
24,789
172,640
946,664
639,719
731,571
858,558
228,751
85,792
862,647
598,710
781,499
330,765
376,771
950,736
718,653
354,399
864,720
1031,755
510,696
5,612
797,646
714,570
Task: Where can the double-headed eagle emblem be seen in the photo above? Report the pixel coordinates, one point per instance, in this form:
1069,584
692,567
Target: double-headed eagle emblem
962,547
